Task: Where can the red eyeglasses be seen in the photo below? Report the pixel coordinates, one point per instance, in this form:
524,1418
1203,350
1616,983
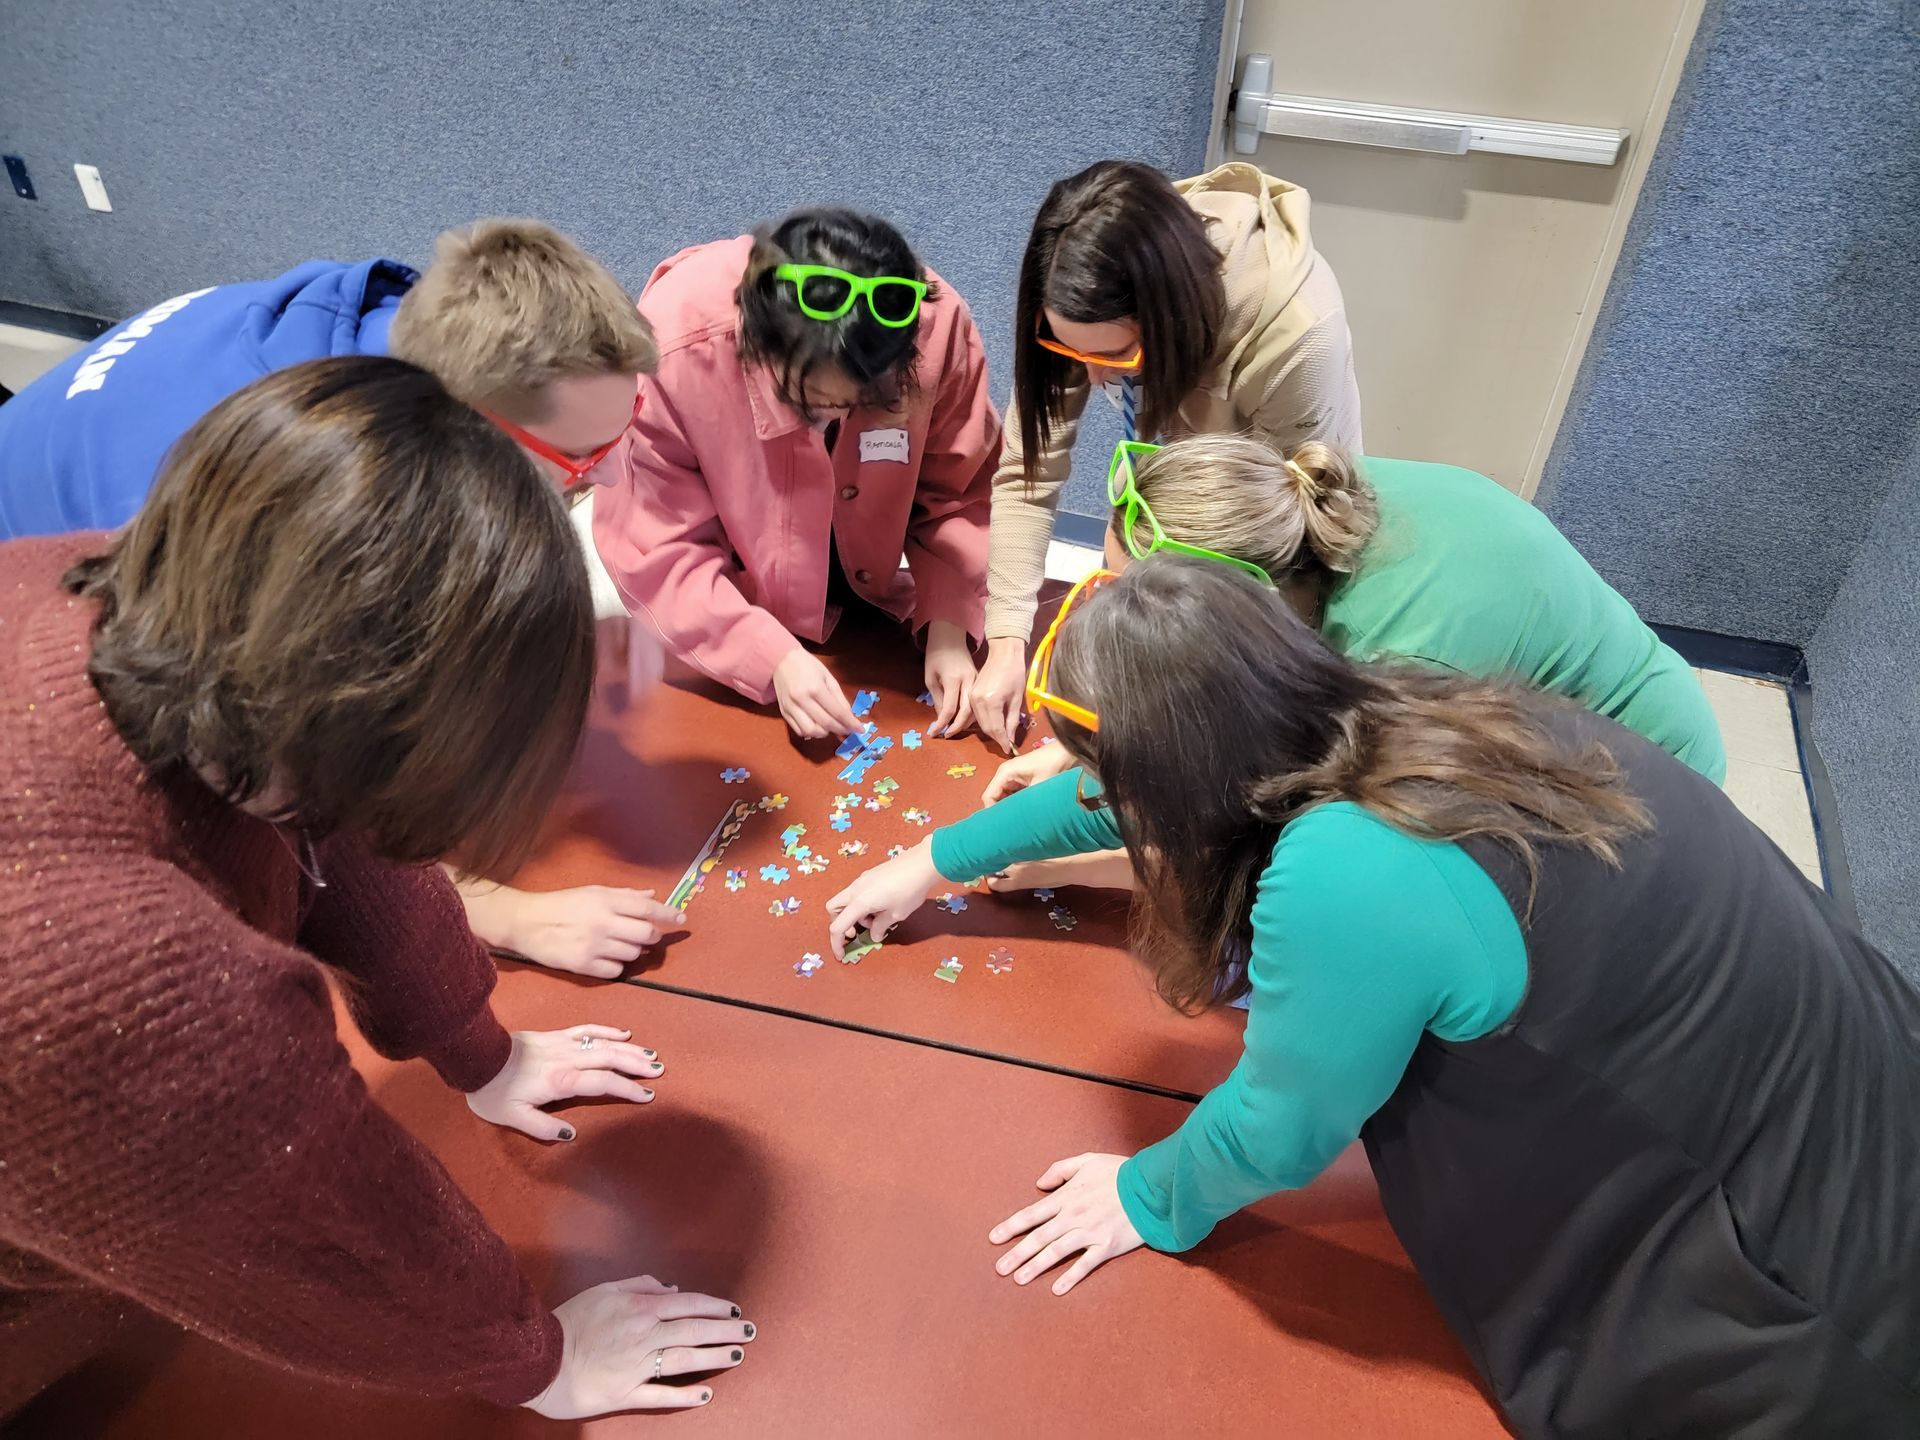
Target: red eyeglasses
577,466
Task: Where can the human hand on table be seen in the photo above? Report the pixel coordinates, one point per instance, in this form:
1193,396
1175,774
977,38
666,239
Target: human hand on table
1000,694
622,1338
882,897
1081,1216
593,930
549,1065
1024,770
950,678
810,699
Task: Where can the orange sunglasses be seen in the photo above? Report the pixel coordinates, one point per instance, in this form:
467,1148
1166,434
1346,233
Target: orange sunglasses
1038,695
578,467
1105,362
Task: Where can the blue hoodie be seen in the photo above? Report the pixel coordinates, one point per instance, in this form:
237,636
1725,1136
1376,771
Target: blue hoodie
79,448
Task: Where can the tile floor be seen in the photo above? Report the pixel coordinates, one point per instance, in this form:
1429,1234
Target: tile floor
1763,761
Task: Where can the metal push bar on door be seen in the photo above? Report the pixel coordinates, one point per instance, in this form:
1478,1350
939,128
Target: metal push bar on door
1350,122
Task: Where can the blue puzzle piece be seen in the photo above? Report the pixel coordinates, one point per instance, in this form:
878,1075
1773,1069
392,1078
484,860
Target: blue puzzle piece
911,739
774,874
855,742
864,701
841,822
857,768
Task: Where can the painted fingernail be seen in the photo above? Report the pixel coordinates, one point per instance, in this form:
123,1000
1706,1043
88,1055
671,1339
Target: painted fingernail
651,1055
738,1356
705,1396
646,1092
567,1134
751,1332
736,1315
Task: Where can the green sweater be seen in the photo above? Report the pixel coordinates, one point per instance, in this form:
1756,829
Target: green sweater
1465,574
1364,939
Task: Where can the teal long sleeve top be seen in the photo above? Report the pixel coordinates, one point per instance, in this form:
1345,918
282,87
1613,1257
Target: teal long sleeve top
1364,939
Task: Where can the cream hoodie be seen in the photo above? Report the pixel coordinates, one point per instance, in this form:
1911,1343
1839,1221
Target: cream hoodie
1284,371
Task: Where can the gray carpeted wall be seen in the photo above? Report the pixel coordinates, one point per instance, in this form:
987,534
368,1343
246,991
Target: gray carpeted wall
1865,659
1742,453
237,138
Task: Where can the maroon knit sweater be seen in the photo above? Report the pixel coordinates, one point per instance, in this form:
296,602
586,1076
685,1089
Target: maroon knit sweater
179,1125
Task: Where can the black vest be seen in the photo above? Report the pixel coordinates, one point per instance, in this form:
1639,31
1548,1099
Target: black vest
1678,1193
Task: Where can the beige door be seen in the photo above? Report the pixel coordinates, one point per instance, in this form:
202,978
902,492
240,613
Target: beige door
1471,279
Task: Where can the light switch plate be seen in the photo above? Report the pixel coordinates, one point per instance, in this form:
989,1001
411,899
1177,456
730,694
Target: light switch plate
93,187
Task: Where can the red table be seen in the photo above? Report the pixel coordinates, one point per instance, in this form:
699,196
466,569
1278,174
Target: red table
647,792
840,1186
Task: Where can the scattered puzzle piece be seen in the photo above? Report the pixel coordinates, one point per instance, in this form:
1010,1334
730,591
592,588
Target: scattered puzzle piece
736,879
926,697
800,852
1062,918
841,802
813,864
783,907
1000,961
861,945
884,787
894,852
1045,897
791,834
774,874
916,816
856,742
950,970
1044,740
911,739
775,801
959,772
854,847
807,964
840,821
878,802
951,903
733,776
865,700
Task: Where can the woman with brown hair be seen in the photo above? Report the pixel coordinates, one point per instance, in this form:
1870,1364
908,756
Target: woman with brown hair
348,634
1636,1095
1197,307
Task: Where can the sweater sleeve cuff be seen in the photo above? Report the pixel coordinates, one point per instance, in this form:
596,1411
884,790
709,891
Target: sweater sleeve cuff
542,1365
1135,1200
475,1055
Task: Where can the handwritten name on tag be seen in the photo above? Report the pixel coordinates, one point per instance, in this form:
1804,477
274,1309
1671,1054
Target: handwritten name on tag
883,445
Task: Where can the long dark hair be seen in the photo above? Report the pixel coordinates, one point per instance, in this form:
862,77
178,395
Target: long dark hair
350,593
1223,716
1116,242
775,332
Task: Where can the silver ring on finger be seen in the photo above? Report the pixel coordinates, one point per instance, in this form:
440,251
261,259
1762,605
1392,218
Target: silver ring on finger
659,1363
585,1042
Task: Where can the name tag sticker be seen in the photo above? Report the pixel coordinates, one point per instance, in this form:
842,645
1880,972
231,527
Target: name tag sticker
883,445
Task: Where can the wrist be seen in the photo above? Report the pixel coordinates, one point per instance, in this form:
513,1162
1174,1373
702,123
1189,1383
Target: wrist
1006,645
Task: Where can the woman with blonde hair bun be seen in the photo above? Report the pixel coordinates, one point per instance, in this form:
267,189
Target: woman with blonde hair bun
1394,559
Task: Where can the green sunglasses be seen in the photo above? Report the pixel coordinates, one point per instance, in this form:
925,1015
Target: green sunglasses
825,293
1123,493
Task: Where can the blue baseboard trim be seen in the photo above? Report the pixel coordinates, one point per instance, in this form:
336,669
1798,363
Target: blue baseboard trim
53,322
1087,530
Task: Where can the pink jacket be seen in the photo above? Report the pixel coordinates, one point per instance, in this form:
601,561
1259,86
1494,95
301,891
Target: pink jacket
722,526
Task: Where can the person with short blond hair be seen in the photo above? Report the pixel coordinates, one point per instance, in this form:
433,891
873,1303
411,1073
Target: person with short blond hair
513,317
